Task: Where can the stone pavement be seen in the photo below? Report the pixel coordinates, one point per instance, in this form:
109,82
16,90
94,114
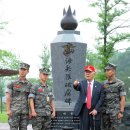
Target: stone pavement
5,126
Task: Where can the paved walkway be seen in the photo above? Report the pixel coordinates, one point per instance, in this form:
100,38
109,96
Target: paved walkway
5,126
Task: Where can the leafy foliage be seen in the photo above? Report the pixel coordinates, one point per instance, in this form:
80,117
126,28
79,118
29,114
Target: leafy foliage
33,80
46,62
111,25
45,57
8,60
92,58
122,59
3,24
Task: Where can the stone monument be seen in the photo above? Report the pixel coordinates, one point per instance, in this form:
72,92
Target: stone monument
68,53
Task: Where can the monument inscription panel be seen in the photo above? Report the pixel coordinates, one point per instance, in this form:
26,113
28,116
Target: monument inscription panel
65,120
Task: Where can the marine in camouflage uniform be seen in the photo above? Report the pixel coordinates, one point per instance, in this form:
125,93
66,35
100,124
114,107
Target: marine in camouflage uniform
114,101
17,100
42,103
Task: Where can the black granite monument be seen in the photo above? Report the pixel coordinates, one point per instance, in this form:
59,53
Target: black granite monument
68,53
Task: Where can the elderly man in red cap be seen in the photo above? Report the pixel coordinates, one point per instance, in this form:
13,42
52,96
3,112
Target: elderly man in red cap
90,100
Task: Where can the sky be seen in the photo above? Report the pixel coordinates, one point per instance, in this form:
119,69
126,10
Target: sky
33,23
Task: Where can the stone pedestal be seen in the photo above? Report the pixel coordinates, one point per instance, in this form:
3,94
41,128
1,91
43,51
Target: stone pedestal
65,121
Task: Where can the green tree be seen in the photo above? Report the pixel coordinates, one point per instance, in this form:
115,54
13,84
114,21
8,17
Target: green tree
33,80
46,61
92,58
45,57
112,28
7,61
1,92
122,59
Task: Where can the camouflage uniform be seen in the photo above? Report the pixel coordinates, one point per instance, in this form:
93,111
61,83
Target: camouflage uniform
113,91
19,91
42,97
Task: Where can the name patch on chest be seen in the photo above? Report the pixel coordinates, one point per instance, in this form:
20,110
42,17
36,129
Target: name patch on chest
40,90
17,86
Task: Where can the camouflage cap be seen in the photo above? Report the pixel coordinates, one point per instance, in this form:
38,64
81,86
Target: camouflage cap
44,70
110,66
24,66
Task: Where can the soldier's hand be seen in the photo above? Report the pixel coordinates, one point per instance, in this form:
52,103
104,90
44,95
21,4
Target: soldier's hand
120,115
76,82
34,114
53,114
9,113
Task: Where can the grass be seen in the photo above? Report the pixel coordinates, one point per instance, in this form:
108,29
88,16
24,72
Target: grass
3,117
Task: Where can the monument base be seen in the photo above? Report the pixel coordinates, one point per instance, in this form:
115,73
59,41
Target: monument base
65,120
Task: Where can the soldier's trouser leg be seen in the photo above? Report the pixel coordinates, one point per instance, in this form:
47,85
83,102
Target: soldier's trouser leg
110,122
46,123
14,121
115,122
41,123
106,121
37,122
23,122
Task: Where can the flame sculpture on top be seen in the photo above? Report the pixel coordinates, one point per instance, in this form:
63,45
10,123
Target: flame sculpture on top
69,21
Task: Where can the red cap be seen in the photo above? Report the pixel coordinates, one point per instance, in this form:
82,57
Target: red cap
90,68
